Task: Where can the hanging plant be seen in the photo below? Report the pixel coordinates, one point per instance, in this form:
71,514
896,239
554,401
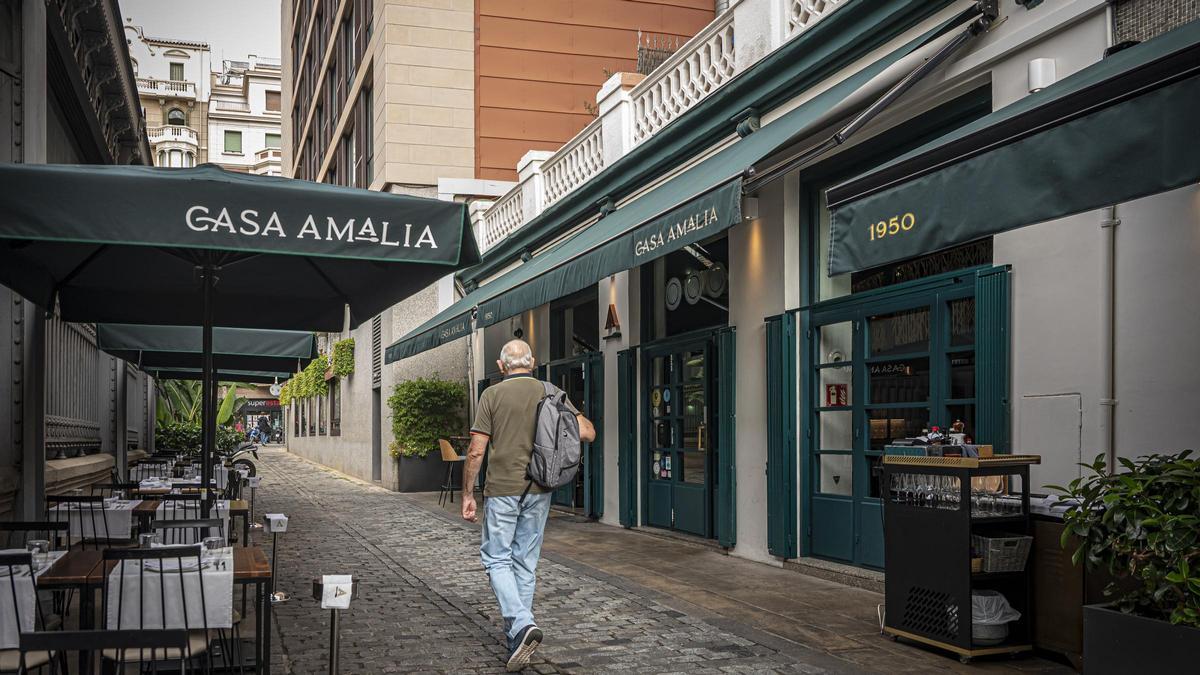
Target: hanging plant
285,394
314,377
343,357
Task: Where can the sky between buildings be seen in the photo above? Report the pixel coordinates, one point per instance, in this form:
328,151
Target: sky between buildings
233,29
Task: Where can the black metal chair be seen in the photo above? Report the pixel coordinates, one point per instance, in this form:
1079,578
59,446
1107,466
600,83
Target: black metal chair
175,532
92,517
155,645
181,507
152,562
148,468
18,533
107,490
18,567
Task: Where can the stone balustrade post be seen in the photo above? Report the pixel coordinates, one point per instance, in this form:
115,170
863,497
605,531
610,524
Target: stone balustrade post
529,177
616,114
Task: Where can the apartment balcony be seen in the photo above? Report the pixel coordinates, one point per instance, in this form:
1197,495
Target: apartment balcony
173,134
231,106
632,108
267,162
166,88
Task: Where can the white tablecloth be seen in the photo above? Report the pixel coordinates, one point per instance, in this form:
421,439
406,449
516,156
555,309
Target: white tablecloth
146,586
82,524
9,635
177,511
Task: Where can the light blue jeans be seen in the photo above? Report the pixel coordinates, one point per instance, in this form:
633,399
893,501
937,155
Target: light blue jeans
512,544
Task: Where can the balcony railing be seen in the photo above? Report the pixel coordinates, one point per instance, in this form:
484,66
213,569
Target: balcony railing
802,14
175,88
172,132
577,161
503,217
702,64
232,106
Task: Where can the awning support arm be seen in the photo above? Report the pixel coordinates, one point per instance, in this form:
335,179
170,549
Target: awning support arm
755,180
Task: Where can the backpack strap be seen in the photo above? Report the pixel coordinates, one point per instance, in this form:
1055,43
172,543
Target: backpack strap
524,494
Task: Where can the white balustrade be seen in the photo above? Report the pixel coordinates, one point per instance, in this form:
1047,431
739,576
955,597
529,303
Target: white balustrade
506,215
802,14
173,132
702,64
176,88
577,161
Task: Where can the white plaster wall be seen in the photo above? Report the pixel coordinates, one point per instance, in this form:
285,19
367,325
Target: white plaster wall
756,291
615,291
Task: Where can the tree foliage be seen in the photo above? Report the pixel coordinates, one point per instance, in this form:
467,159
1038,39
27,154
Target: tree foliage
424,410
1143,526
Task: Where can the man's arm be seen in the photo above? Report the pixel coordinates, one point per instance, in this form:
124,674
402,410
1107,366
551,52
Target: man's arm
587,431
470,473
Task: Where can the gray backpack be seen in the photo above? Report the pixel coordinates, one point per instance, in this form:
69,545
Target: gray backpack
556,449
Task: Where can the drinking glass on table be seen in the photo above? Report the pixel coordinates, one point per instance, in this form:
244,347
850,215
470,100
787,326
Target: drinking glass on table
213,546
148,539
40,550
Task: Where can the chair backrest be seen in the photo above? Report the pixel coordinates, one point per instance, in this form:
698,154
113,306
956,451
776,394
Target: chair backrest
147,468
91,642
22,607
172,532
18,533
92,518
142,565
449,454
110,489
185,506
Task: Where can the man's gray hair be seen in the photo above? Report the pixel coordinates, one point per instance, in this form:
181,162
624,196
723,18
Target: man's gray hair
516,354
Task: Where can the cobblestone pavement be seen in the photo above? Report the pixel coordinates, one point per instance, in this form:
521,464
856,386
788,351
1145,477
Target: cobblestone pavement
426,605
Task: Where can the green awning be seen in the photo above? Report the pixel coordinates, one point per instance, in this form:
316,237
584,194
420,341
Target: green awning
437,331
179,348
251,376
1118,130
701,202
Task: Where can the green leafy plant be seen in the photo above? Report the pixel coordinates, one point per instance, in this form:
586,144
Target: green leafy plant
424,410
230,403
1143,526
285,394
185,436
177,401
343,357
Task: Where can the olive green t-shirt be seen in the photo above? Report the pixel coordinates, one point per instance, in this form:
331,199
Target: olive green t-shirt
506,414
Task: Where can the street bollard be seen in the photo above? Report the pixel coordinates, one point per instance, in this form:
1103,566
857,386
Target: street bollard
335,592
276,523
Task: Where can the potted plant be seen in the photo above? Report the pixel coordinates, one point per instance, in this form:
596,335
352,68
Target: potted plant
1142,526
424,410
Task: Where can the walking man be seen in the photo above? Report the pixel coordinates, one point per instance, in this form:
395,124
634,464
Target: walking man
512,528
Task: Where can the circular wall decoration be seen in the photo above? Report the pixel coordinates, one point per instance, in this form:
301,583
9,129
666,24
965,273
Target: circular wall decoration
275,389
674,293
716,280
693,288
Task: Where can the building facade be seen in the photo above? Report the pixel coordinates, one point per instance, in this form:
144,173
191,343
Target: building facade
748,359
244,116
173,85
69,413
438,101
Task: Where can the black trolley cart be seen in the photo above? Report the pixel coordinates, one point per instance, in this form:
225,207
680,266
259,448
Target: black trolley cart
935,509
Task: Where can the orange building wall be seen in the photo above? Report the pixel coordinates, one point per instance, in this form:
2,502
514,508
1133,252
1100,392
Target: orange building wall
539,64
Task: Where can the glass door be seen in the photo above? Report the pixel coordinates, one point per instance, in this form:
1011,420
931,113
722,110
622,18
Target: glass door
678,454
569,376
884,370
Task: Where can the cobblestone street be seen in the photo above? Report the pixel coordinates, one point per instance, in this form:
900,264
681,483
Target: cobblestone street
426,606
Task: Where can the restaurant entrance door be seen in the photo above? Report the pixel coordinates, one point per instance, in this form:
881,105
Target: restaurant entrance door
884,367
678,455
582,378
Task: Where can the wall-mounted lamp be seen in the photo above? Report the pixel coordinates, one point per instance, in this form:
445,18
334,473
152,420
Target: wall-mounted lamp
1041,74
749,208
612,324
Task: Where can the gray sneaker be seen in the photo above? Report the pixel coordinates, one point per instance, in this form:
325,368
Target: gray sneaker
527,642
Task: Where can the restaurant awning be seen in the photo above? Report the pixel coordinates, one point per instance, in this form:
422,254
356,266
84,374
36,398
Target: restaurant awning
697,204
1115,131
122,244
251,376
180,348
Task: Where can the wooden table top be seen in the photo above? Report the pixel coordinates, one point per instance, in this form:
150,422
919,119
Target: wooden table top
80,567
237,507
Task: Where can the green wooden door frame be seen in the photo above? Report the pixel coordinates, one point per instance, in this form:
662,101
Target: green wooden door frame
725,413
781,435
989,286
627,441
592,407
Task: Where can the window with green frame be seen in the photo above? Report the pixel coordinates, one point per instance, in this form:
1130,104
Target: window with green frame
177,72
273,141
233,141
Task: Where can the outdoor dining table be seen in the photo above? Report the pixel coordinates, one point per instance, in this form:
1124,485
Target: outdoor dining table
117,523
25,597
147,511
84,570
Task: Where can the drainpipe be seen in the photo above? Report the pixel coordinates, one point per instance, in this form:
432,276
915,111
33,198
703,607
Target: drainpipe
1108,289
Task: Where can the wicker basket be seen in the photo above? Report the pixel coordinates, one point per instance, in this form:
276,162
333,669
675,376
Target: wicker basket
1002,554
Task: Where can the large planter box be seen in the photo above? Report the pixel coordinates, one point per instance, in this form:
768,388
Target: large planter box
420,474
1115,642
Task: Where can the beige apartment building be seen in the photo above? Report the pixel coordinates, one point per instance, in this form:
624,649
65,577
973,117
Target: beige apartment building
441,99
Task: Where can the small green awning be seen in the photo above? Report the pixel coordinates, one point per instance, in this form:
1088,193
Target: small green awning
700,202
1118,130
179,348
437,331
